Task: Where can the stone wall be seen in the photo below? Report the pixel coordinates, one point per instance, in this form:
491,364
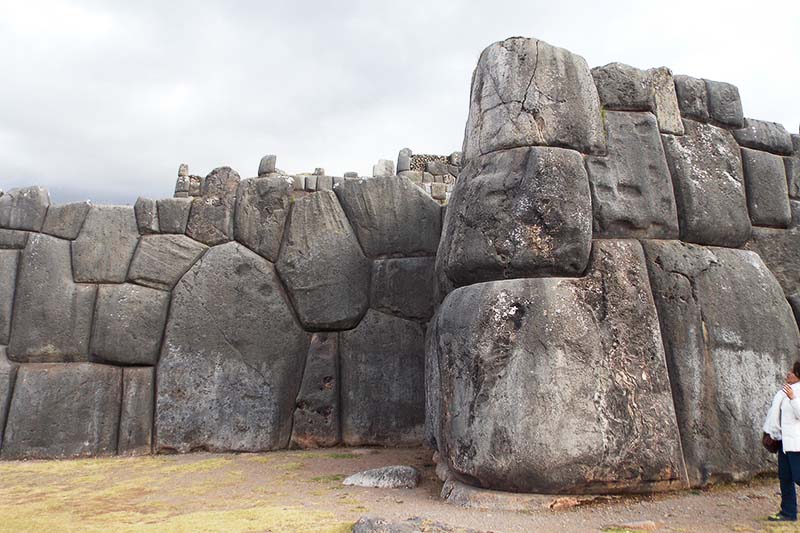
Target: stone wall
607,309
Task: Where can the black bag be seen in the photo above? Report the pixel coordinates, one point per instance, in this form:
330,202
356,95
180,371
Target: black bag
772,445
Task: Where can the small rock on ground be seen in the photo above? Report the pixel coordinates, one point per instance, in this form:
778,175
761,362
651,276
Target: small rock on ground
387,477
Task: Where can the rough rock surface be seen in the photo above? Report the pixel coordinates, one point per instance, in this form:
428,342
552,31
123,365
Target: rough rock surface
129,324
433,386
321,263
792,168
52,315
60,411
510,358
391,216
373,524
724,104
173,214
382,380
211,216
518,213
631,188
105,246
404,286
8,277
384,168
386,477
24,208
8,374
136,415
667,111
161,260
66,220
624,88
692,97
262,205
709,187
780,251
766,136
11,239
729,337
316,413
146,212
267,164
232,358
526,92
767,193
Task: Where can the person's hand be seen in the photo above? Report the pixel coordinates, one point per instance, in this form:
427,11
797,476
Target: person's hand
787,389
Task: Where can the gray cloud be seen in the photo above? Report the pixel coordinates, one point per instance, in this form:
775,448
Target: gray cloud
103,100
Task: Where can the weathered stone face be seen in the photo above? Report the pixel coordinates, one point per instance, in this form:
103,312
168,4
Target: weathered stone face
709,188
391,216
104,249
146,215
129,323
8,278
382,369
24,208
316,413
232,358
8,374
767,194
780,251
692,97
667,110
66,220
724,104
766,136
624,88
321,263
173,214
136,416
161,260
518,213
729,337
262,205
526,92
547,388
11,239
631,187
61,411
211,216
52,315
404,287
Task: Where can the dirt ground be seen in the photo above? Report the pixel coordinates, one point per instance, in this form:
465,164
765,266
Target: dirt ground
302,491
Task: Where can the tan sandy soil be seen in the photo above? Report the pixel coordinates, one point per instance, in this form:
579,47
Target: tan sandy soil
302,491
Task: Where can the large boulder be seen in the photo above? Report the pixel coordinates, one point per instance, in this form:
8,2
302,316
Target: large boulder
325,272
767,192
624,88
66,220
547,387
382,381
386,477
128,324
173,214
8,374
232,358
518,213
12,239
161,260
391,216
8,278
729,337
526,92
766,136
692,97
104,248
136,411
146,212
632,194
211,216
24,208
706,169
404,286
780,251
316,413
667,111
262,205
59,411
724,104
52,315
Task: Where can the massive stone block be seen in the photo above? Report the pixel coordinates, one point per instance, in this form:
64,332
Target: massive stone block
262,205
211,216
623,87
321,263
11,239
136,416
546,387
518,213
382,380
709,188
66,220
316,413
8,278
59,411
232,359
391,216
404,287
631,188
8,374
161,260
780,251
667,110
766,136
103,250
692,97
173,214
526,92
729,337
24,208
146,212
767,194
724,104
52,315
128,324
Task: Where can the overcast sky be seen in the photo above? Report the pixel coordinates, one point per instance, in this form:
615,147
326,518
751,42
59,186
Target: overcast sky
102,100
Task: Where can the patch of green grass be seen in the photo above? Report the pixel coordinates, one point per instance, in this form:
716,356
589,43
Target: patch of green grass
342,455
328,478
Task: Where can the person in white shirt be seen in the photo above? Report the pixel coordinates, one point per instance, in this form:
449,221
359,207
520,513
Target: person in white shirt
783,423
